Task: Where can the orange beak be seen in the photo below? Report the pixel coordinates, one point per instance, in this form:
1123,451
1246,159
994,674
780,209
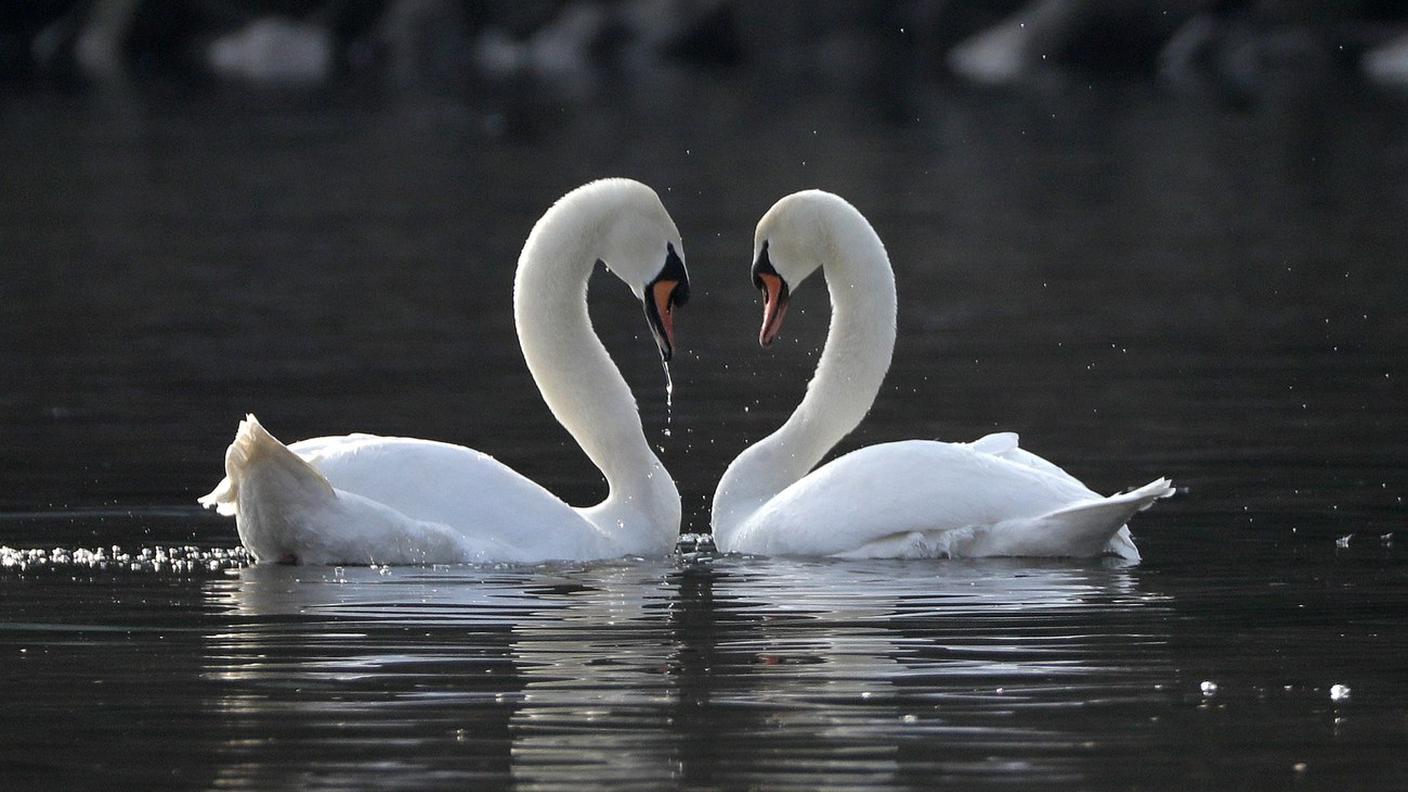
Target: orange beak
774,307
660,295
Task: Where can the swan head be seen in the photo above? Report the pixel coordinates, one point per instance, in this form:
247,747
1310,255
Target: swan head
661,295
791,242
641,245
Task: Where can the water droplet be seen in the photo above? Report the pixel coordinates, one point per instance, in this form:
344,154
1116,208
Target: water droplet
669,397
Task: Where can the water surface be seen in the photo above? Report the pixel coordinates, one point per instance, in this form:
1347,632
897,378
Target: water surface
1139,286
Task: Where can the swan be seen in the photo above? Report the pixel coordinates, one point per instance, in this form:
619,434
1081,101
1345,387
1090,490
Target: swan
909,499
361,498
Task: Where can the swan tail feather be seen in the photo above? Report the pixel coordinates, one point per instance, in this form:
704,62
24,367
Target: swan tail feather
1099,526
1155,490
257,461
221,499
278,499
1121,545
1082,530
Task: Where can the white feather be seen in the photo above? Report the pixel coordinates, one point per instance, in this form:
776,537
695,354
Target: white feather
916,498
365,499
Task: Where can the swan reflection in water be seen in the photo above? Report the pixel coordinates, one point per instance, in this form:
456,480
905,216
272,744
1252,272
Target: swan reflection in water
732,669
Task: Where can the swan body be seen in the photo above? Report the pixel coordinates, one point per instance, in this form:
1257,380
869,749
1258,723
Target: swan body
910,499
362,498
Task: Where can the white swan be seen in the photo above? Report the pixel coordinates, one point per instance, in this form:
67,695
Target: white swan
366,499
916,498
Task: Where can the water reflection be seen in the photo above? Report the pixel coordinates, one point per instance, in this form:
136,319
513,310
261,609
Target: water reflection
730,670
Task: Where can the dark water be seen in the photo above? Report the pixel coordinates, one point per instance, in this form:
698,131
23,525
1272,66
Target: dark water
1141,287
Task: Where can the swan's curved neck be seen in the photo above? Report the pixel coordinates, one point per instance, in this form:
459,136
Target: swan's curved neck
848,376
577,377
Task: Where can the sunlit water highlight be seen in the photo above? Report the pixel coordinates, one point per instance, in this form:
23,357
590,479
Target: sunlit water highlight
701,670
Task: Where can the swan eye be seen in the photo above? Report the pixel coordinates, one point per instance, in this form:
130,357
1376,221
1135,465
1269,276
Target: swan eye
775,296
763,266
675,270
663,293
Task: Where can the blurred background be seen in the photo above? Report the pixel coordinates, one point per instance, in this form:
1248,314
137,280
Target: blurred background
1239,50
1157,238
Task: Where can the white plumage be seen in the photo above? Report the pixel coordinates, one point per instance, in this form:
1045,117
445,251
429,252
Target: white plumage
910,499
365,499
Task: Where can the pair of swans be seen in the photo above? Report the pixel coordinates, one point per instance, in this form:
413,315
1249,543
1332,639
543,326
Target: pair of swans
367,499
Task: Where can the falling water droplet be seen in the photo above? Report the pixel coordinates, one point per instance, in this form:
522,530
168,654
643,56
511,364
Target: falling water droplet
669,397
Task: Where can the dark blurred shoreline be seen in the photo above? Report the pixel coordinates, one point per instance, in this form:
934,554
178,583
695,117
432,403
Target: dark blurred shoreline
1236,52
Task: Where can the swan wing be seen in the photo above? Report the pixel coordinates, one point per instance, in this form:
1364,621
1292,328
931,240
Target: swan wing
923,498
1005,445
470,491
360,498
